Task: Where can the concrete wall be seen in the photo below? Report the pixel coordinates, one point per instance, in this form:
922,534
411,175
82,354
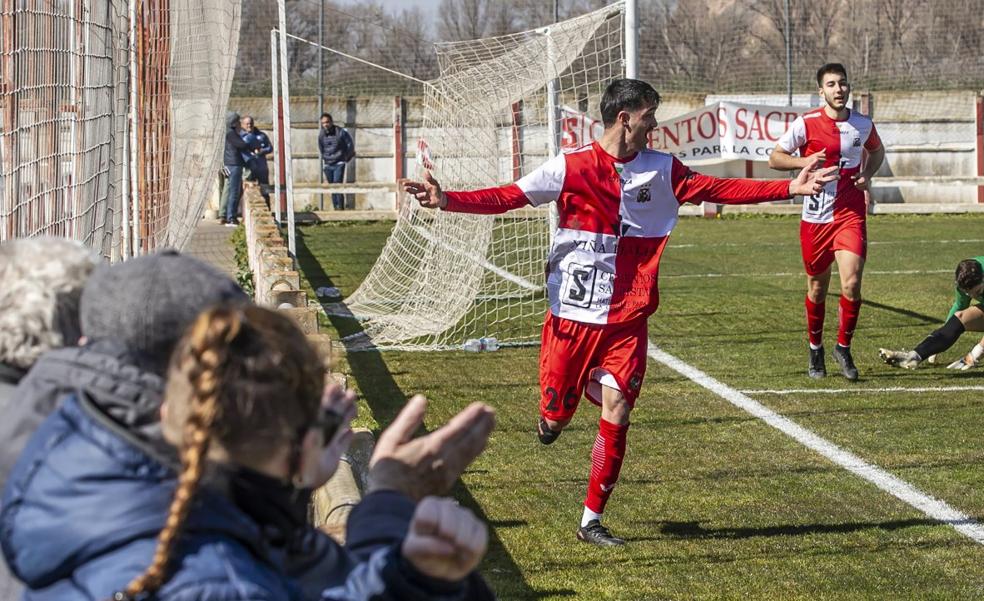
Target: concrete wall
925,133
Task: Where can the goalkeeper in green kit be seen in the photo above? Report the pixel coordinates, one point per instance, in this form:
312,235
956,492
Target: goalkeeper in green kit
970,286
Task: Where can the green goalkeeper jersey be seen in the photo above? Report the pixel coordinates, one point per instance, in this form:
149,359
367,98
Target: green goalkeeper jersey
962,301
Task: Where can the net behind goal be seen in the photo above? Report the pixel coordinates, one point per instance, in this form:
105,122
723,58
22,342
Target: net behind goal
492,115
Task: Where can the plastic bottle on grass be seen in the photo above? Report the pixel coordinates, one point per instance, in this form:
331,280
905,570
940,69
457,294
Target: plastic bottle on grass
489,343
472,345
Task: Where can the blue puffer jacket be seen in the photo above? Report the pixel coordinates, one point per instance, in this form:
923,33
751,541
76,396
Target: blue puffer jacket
85,502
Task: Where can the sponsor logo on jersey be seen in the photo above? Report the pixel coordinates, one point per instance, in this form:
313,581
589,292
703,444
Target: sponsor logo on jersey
643,195
580,285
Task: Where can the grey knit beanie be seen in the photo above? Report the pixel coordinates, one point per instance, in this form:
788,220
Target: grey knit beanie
146,303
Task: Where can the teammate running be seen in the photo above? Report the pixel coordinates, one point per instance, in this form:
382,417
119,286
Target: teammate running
969,279
833,223
617,202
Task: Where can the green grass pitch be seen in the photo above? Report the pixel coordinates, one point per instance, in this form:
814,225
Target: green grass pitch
715,503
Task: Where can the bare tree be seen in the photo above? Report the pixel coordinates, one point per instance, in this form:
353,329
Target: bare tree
473,19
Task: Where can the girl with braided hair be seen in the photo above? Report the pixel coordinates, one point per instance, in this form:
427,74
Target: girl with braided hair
256,434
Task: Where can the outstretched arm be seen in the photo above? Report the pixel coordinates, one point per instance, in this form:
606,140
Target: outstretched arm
542,185
693,187
784,161
487,201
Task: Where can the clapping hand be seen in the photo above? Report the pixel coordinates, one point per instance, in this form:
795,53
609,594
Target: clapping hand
445,541
430,464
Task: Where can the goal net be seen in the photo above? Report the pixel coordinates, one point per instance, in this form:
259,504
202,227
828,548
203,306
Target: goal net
111,118
493,114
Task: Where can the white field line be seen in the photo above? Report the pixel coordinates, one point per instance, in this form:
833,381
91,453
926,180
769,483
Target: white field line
932,508
798,273
867,390
795,243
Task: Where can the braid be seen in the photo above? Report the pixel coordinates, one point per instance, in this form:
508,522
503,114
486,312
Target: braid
207,344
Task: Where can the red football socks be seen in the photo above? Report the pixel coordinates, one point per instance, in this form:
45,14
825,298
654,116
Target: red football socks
606,462
814,322
849,311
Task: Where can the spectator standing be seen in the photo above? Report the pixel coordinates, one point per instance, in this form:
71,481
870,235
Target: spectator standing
256,159
336,148
233,165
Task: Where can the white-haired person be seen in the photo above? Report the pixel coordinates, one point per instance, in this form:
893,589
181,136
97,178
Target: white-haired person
41,280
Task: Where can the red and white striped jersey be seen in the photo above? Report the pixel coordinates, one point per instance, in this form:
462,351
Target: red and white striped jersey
844,141
615,218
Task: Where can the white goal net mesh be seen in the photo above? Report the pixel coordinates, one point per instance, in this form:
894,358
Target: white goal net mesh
492,115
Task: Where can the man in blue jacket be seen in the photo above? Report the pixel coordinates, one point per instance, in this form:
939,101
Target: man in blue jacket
336,148
256,159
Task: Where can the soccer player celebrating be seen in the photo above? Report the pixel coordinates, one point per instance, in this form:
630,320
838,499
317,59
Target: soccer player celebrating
969,279
617,203
833,223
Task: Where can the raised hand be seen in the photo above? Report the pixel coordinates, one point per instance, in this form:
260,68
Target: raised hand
810,180
430,464
428,192
316,472
445,541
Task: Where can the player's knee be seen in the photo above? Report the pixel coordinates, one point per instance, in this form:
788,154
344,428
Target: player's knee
816,293
617,410
967,315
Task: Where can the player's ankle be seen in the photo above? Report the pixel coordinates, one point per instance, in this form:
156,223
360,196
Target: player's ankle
589,515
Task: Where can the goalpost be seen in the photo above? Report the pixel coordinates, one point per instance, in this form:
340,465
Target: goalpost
492,115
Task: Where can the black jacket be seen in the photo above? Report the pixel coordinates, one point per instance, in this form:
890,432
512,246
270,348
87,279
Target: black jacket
335,145
235,146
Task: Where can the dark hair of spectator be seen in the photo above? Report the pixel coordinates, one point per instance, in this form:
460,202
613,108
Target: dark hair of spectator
328,115
968,275
252,384
626,95
830,68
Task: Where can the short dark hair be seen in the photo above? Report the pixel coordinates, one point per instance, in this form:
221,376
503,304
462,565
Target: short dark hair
626,95
830,68
969,274
323,115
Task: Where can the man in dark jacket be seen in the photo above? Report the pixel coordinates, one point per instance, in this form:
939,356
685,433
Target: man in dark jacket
336,148
233,165
256,159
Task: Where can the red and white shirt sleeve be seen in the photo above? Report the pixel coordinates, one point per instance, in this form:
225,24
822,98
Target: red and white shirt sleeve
542,185
695,188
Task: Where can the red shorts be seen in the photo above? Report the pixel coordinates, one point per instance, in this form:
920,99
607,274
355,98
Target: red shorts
577,358
818,242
